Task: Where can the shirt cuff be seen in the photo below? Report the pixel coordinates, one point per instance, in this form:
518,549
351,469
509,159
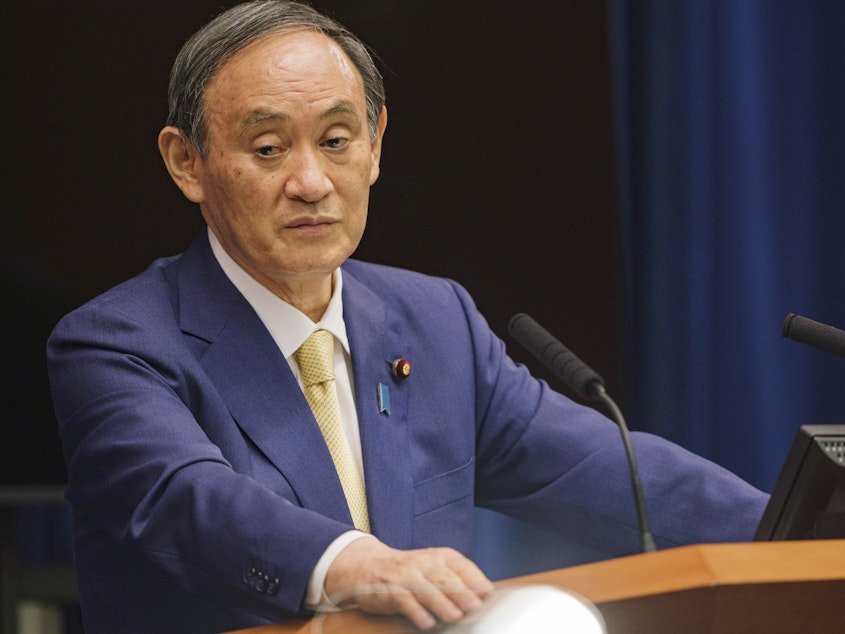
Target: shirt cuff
316,598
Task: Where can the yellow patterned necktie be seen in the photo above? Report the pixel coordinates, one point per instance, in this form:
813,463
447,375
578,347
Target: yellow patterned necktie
316,365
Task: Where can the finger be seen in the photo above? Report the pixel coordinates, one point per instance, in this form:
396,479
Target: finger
446,595
445,599
422,601
472,576
397,599
460,580
409,605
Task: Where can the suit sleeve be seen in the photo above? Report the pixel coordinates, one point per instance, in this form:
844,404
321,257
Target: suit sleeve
550,461
146,481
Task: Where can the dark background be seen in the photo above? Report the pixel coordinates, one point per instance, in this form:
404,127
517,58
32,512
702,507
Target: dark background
497,170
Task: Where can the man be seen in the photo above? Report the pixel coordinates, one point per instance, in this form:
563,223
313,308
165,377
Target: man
209,492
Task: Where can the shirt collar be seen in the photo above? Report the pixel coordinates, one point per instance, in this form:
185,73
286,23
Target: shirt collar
288,326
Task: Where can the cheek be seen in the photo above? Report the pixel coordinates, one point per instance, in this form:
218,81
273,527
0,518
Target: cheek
235,190
359,217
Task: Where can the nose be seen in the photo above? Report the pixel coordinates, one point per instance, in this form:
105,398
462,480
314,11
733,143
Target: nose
306,177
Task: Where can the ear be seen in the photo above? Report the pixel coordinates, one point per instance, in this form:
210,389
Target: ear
376,147
183,162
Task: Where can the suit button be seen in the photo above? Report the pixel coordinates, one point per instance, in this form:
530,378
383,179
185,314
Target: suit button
261,583
249,577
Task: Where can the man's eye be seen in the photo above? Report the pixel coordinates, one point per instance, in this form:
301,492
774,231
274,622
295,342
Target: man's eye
336,143
267,150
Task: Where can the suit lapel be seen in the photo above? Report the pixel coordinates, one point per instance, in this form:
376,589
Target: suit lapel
376,339
254,380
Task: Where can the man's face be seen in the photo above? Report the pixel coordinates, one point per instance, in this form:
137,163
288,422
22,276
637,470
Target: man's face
285,184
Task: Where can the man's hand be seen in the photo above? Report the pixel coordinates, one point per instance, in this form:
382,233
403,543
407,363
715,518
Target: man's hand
430,586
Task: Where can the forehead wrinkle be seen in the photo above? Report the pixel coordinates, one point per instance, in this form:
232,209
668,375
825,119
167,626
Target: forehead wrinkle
261,115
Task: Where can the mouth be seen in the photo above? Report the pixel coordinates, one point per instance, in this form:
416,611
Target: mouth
311,221
312,227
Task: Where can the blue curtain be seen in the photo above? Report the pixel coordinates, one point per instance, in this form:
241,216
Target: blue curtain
730,120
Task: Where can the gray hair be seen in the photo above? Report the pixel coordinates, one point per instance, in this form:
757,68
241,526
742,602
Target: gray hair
219,40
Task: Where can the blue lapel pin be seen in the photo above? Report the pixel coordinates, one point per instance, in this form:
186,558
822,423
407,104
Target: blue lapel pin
384,399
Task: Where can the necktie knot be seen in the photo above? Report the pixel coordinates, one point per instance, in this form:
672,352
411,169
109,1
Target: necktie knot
315,358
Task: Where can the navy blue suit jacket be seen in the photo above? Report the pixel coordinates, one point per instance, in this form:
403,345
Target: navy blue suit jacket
203,493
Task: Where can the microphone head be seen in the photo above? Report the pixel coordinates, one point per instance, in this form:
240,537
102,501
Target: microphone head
787,325
563,363
513,324
814,333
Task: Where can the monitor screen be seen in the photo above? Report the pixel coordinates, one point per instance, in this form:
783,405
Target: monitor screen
808,501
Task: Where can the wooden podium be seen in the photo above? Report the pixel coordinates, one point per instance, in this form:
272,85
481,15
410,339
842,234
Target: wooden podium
791,586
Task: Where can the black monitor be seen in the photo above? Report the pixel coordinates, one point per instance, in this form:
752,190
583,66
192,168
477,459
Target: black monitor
808,501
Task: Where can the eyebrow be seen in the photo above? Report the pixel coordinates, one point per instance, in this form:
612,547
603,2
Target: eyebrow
257,117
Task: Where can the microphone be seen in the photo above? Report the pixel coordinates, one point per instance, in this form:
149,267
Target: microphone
814,333
576,374
580,378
